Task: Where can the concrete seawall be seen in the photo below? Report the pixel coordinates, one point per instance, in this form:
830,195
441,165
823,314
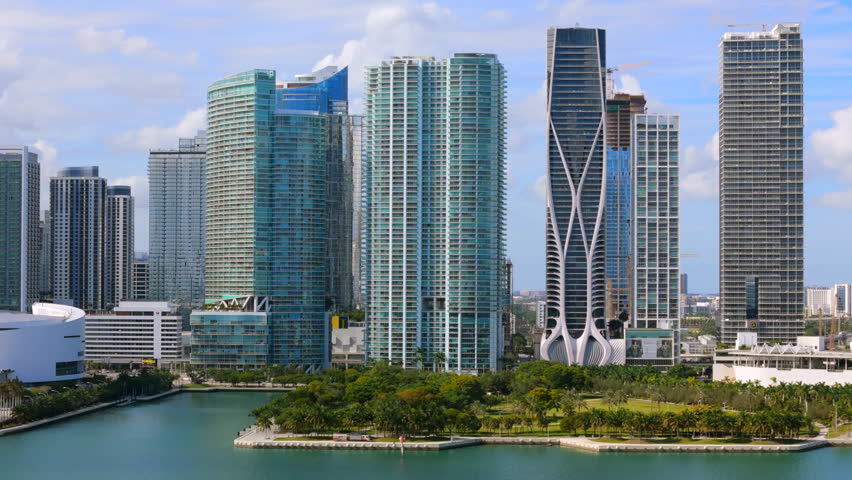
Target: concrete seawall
254,438
591,445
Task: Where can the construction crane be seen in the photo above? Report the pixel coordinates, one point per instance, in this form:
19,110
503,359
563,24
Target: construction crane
610,83
761,25
689,255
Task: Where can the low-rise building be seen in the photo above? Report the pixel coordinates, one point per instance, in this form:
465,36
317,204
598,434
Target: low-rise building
769,365
347,346
231,333
45,346
134,332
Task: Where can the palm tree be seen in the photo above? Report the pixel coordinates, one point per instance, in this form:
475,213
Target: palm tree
572,402
440,357
419,356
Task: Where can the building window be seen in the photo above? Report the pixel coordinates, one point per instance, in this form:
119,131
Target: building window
69,368
752,287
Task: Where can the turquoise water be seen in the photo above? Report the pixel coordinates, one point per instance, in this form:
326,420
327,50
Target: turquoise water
190,435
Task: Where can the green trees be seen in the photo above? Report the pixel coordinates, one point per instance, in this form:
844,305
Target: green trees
386,398
146,382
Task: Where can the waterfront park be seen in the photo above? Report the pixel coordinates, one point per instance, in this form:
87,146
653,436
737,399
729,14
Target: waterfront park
613,403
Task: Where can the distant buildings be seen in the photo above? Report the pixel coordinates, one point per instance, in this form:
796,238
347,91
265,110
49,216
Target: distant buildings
177,181
19,228
842,300
133,332
78,231
141,280
760,158
45,346
45,259
819,301
576,197
434,179
118,243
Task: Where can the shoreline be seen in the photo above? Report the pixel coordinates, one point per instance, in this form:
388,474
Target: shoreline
100,406
251,437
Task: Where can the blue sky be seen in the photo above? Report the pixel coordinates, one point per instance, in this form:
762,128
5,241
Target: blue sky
99,83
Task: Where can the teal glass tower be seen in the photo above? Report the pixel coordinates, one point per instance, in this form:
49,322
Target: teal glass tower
19,228
434,186
270,203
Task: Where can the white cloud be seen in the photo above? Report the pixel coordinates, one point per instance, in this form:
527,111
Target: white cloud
699,171
833,145
538,189
138,188
629,84
93,40
154,136
497,15
47,168
837,200
393,30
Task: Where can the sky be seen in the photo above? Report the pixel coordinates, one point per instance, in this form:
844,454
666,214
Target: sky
100,83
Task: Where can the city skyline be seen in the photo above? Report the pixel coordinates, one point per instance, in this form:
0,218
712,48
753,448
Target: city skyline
681,78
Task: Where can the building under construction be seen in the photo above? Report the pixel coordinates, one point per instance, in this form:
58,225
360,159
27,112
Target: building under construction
620,108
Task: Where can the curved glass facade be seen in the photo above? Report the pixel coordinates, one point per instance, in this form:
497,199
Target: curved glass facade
274,173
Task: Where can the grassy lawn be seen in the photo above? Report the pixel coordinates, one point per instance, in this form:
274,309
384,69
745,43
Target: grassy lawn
636,404
639,405
695,441
841,430
195,385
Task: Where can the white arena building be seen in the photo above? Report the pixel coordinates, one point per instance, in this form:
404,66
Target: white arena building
45,346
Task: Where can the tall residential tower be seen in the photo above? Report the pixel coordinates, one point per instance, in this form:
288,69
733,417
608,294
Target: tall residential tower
435,214
118,246
760,184
176,236
19,228
77,232
575,330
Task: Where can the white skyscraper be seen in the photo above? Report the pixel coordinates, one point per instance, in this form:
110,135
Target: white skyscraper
118,263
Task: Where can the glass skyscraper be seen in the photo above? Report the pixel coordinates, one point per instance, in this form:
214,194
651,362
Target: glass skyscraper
177,191
434,211
575,329
760,184
19,228
270,151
